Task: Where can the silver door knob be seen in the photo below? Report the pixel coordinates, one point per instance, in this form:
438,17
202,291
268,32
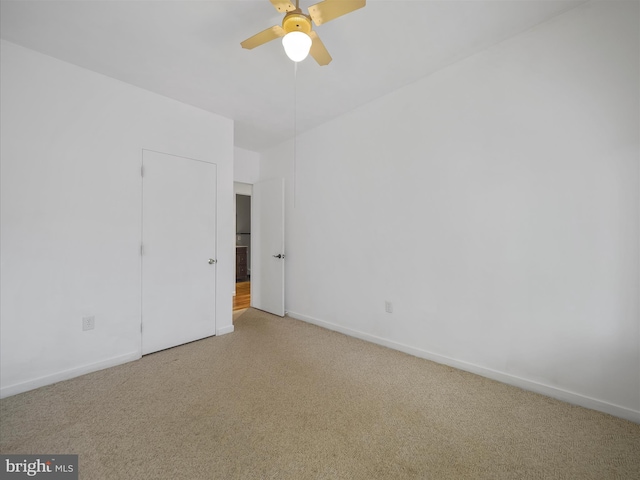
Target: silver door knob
212,261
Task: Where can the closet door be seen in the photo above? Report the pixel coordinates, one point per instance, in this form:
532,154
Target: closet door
178,250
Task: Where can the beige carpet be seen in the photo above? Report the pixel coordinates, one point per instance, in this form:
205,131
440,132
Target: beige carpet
281,399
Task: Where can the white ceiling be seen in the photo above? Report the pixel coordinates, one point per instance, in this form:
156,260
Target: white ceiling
190,51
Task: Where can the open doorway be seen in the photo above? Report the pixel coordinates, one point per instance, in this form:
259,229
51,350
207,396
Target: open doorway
265,249
242,298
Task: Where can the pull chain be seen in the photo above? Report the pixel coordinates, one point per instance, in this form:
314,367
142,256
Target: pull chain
295,129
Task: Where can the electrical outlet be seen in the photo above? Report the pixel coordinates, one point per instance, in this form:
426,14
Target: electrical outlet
88,323
388,307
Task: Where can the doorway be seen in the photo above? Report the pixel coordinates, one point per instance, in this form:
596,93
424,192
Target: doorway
266,256
242,297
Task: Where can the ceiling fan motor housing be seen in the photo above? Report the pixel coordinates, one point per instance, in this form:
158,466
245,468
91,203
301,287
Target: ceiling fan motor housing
296,21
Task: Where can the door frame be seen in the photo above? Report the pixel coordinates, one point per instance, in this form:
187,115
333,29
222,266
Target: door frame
241,188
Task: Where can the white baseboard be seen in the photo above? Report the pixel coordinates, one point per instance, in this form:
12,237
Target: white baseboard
554,392
67,374
224,330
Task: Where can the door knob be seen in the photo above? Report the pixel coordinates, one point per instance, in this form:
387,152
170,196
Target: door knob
212,261
279,256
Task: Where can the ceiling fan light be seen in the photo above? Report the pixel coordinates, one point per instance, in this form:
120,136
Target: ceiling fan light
296,45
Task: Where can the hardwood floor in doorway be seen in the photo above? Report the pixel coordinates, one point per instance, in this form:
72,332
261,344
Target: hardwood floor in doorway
242,299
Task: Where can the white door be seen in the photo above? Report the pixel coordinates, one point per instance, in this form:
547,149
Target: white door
267,246
178,250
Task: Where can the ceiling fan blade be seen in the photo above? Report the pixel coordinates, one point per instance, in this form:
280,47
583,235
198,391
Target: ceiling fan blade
263,37
326,11
283,5
318,50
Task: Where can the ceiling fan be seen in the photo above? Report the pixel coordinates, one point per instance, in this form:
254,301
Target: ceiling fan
299,39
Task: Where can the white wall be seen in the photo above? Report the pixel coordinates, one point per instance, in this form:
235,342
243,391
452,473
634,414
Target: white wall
243,188
72,142
496,204
246,166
